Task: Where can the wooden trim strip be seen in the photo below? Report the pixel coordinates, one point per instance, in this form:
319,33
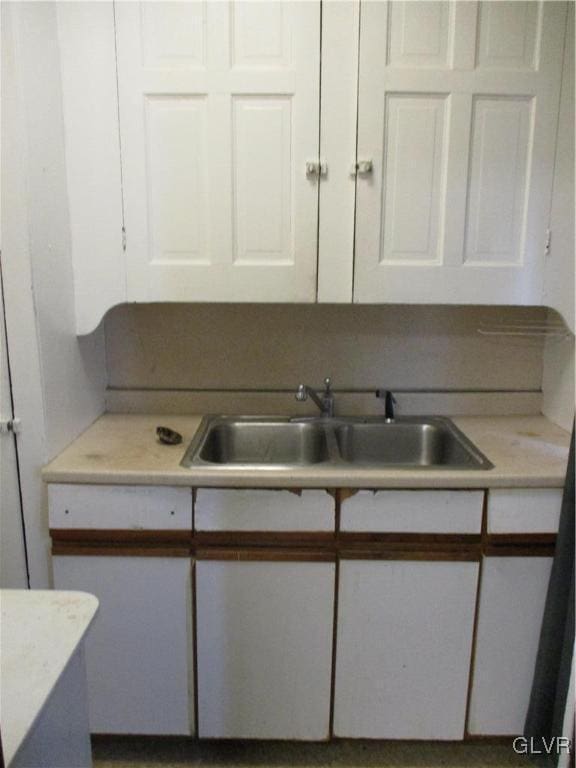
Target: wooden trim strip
521,538
264,538
121,535
334,649
120,550
454,555
351,538
484,527
519,550
267,555
195,651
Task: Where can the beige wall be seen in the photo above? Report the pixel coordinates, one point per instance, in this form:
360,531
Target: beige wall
239,346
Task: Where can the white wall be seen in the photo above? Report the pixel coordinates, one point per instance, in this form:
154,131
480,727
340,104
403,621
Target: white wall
58,379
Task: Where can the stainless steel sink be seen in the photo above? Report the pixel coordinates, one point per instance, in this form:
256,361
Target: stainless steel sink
409,443
412,443
243,441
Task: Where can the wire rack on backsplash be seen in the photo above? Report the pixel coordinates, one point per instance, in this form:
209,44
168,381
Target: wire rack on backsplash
548,330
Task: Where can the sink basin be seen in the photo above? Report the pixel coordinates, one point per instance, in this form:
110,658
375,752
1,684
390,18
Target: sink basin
262,442
411,443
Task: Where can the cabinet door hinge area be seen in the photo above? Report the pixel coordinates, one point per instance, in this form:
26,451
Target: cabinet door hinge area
10,425
548,242
124,239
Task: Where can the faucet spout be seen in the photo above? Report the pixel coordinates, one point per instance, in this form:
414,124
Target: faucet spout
325,401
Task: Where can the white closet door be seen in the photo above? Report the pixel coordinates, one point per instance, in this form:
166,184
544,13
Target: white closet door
458,106
219,112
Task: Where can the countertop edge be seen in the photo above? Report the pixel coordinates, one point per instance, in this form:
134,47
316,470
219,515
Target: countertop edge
121,449
482,480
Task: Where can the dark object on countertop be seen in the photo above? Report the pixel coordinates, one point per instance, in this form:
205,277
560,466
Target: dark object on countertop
168,436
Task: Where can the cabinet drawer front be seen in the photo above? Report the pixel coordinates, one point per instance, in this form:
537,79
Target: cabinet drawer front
524,510
119,507
257,510
413,512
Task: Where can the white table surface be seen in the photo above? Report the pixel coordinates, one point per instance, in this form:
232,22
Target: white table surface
39,632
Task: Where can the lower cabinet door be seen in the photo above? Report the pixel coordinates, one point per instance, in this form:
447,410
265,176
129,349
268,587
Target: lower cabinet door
403,653
139,648
512,599
264,648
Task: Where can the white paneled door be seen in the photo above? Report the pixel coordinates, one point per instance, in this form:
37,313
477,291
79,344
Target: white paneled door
219,114
458,106
13,570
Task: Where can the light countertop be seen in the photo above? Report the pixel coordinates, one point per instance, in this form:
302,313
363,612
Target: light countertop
527,451
41,630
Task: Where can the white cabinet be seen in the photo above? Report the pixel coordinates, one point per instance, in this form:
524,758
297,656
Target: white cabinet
198,152
130,546
403,649
219,114
458,109
264,648
139,649
512,598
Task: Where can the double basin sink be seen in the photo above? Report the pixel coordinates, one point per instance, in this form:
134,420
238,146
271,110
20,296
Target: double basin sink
411,443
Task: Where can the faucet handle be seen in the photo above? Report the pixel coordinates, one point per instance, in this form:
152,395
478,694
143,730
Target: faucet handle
327,385
389,403
301,393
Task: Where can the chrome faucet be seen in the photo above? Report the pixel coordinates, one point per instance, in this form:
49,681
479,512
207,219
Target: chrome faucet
389,403
325,401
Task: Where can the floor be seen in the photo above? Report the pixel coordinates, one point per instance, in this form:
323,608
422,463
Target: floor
133,752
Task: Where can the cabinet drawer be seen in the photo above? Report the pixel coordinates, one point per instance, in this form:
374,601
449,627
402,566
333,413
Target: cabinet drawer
257,510
413,512
119,507
524,510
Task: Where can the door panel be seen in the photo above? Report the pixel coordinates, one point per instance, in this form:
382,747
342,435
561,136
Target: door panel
264,637
499,157
404,643
219,112
458,108
512,599
416,161
139,649
13,572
